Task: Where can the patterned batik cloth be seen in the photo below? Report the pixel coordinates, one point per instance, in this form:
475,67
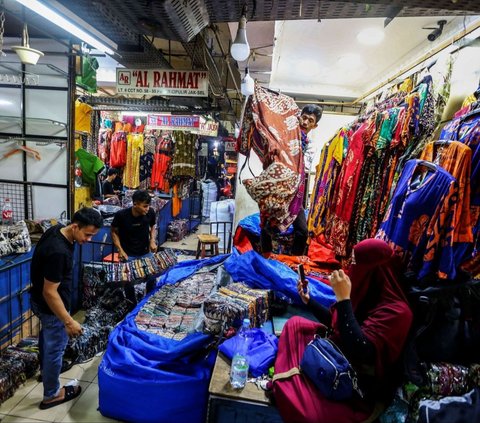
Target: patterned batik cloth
346,187
131,175
146,161
185,154
99,321
271,129
232,303
173,311
418,224
97,275
456,159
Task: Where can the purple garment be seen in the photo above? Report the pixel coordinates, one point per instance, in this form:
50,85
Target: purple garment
412,227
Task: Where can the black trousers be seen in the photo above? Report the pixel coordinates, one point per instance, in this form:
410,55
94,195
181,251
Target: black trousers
300,236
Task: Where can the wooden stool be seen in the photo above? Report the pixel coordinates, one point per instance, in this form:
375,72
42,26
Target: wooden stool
203,241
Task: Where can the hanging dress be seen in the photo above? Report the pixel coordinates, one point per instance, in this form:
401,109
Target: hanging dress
419,221
131,176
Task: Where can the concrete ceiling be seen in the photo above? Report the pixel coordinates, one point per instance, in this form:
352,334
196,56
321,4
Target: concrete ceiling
326,60
303,47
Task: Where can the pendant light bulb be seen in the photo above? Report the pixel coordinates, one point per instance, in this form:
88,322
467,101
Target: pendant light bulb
248,84
240,49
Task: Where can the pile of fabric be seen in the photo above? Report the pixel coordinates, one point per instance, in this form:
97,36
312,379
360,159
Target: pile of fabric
177,229
173,310
98,274
99,322
17,364
232,303
445,384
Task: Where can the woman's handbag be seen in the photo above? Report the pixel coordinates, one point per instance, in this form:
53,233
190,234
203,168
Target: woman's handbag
329,370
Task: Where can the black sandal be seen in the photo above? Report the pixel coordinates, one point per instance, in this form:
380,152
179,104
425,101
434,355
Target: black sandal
70,393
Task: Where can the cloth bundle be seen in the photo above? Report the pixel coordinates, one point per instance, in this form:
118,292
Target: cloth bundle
14,239
177,229
231,304
12,375
173,310
17,364
140,268
99,322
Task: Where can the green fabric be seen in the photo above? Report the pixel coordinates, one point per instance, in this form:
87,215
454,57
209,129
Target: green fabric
90,165
88,78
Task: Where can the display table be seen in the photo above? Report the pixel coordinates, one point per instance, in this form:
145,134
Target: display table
228,405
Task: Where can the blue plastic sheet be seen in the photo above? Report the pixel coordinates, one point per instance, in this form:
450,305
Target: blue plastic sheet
144,377
259,272
251,223
261,353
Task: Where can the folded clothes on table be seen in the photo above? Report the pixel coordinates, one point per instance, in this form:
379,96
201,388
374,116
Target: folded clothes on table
234,302
173,310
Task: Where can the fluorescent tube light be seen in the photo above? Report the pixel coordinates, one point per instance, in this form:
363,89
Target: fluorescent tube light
65,24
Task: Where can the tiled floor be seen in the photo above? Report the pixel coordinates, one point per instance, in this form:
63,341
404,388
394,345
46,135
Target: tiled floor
190,242
23,406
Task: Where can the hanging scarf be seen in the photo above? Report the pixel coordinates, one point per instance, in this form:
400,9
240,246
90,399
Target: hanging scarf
271,129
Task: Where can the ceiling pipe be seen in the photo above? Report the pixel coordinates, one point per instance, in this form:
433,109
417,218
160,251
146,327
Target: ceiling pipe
225,56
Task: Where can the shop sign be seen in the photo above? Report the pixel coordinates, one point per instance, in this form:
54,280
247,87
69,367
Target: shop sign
230,145
166,82
173,122
207,128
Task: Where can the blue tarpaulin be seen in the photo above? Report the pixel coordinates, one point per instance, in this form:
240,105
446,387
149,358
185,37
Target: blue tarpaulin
251,223
259,272
144,377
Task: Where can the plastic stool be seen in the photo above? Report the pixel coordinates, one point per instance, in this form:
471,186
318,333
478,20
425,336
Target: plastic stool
205,240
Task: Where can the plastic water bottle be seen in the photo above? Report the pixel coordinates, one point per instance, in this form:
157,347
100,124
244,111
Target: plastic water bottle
7,212
239,370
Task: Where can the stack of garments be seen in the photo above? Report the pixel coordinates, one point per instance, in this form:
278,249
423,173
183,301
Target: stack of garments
173,310
442,381
177,229
234,302
17,364
99,322
96,275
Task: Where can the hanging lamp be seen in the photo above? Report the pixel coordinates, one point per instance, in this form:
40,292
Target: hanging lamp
27,55
247,86
240,49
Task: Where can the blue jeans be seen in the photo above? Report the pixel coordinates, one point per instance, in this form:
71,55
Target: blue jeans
51,344
129,289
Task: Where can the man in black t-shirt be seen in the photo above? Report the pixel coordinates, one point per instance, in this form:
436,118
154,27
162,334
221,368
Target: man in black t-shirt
51,275
108,189
134,235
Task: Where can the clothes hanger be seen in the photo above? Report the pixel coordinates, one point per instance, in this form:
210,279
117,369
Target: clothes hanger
429,165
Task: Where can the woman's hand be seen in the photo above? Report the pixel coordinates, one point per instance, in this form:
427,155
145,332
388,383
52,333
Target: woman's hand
341,285
304,295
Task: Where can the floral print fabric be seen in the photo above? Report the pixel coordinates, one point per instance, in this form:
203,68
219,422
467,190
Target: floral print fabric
271,129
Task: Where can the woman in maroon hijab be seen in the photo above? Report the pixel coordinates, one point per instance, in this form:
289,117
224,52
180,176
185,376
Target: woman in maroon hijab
370,322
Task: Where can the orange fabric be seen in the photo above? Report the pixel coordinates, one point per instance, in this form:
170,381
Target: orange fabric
293,262
320,251
176,202
456,158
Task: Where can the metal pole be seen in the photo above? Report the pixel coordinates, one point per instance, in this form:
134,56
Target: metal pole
71,133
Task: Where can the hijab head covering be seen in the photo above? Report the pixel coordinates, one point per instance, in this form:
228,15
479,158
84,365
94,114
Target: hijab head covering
378,301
